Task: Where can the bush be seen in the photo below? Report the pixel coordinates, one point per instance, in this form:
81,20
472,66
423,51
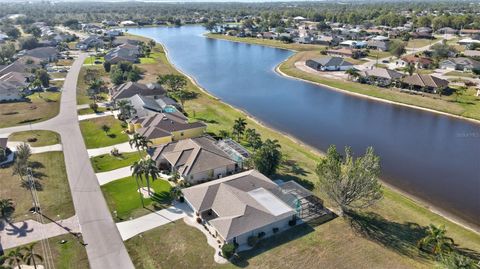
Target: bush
94,107
228,250
275,230
252,240
199,220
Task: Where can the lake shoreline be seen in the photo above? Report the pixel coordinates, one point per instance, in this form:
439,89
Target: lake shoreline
420,202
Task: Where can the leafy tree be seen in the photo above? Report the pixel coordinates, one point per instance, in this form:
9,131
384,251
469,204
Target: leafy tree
172,82
228,250
126,109
436,242
410,68
397,48
6,208
442,50
253,138
268,157
105,128
152,43
43,77
7,51
30,257
139,142
459,91
11,31
28,43
239,127
223,133
458,261
183,96
134,74
107,66
350,183
116,76
352,73
176,192
211,26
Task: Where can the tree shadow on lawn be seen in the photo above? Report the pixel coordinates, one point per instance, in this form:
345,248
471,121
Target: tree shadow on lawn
272,242
399,237
36,185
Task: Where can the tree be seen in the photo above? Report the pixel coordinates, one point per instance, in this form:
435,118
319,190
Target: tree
211,26
95,87
139,142
397,48
350,183
28,43
172,82
239,127
126,109
107,66
442,51
352,73
137,173
15,258
134,74
268,157
21,162
30,257
152,43
43,77
459,91
105,128
176,192
458,261
436,242
6,208
253,138
223,133
116,76
7,51
94,107
183,96
410,69
151,171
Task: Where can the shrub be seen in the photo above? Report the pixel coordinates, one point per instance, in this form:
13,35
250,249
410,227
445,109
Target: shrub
32,139
228,250
252,240
275,230
114,152
94,107
199,220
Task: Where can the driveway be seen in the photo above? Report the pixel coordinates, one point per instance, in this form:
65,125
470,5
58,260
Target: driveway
105,248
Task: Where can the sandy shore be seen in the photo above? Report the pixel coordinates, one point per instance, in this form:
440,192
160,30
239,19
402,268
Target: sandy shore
420,202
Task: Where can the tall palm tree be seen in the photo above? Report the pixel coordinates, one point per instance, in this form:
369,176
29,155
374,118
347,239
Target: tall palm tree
139,142
239,127
352,73
6,208
15,257
151,171
30,257
137,173
23,152
436,241
126,109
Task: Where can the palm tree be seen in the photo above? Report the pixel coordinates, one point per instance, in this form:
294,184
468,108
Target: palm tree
239,127
15,257
139,142
94,88
436,241
30,257
6,208
253,138
352,73
126,109
176,192
410,69
137,173
23,152
150,171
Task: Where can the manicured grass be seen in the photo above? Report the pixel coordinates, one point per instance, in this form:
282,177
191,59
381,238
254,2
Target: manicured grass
39,107
95,137
268,42
418,43
87,111
390,243
107,162
82,86
145,60
65,62
36,138
424,71
460,74
376,54
122,196
69,255
467,104
53,191
91,60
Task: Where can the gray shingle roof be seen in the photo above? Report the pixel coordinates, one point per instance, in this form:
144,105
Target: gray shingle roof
332,61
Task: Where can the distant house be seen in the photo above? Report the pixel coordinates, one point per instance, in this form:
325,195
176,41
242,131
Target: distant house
129,89
196,159
113,33
327,40
345,52
47,54
21,65
92,41
424,30
378,45
417,61
472,53
381,76
424,82
17,78
128,23
124,52
469,32
149,106
299,19
329,64
10,91
240,206
460,63
163,128
447,31
468,41
353,44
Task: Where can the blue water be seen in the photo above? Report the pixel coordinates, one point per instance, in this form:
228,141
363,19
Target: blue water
431,156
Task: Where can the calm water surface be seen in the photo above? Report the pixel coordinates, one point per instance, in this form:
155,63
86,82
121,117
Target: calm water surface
433,157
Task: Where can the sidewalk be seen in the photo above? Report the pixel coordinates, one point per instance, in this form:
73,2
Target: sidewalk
57,147
88,105
107,177
123,147
131,228
97,115
25,232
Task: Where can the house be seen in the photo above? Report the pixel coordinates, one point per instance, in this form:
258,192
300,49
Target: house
127,23
47,54
381,76
378,45
124,52
345,52
196,159
21,65
424,30
327,40
329,64
469,32
353,44
164,128
19,79
299,19
92,41
240,206
472,53
113,33
468,41
129,89
149,106
460,63
447,31
10,91
424,82
417,61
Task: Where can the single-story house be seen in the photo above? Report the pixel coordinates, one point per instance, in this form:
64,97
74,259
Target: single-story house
240,206
344,52
421,35
47,54
424,82
419,61
9,91
472,53
196,159
469,32
353,44
163,128
21,65
378,45
381,76
468,41
424,30
327,40
90,42
149,106
447,31
128,23
129,89
460,63
124,52
329,64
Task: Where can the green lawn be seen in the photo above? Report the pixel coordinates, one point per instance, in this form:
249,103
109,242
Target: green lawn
36,138
460,74
418,43
376,54
87,111
95,137
82,85
53,188
91,60
149,60
122,196
69,255
39,107
107,162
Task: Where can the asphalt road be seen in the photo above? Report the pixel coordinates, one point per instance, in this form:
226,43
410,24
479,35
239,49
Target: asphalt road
105,248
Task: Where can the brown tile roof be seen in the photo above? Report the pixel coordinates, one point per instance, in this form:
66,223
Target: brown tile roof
129,89
163,124
424,80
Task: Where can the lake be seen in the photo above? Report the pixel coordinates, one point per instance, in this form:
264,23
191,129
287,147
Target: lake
431,156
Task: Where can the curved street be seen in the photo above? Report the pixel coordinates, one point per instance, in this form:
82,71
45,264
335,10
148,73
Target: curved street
104,245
